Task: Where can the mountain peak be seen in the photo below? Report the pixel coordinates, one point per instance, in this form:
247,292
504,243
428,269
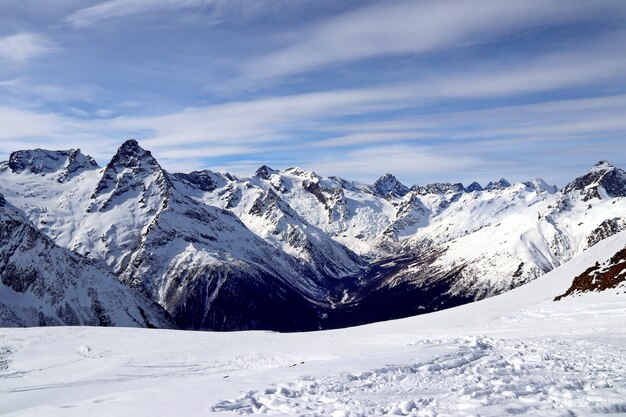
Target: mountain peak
300,172
131,155
498,185
130,142
388,185
602,174
204,180
130,148
43,161
264,172
129,168
473,187
540,185
602,165
439,188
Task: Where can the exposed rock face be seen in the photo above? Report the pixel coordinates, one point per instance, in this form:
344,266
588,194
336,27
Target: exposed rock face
501,184
607,228
264,172
326,259
132,168
43,284
64,164
603,180
473,187
333,199
204,180
440,188
389,186
539,185
609,275
411,215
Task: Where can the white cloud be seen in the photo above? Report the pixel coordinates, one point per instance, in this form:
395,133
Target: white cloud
26,90
367,138
18,123
21,47
264,120
29,128
302,117
408,161
412,27
213,11
601,61
121,8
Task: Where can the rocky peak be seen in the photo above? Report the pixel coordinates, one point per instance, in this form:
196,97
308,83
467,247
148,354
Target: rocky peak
130,168
440,188
602,174
42,161
204,180
602,165
473,187
389,186
131,155
264,172
498,185
300,172
539,185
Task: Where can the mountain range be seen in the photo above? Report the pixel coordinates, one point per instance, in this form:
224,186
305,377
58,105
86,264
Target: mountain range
282,249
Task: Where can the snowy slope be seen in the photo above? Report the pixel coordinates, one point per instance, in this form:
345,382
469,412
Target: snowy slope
505,237
198,261
519,353
42,284
53,200
498,237
258,204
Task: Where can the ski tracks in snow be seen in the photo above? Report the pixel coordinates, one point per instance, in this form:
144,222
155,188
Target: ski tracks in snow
483,377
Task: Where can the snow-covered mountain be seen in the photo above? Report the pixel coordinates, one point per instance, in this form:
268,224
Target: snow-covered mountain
289,249
42,284
198,261
63,164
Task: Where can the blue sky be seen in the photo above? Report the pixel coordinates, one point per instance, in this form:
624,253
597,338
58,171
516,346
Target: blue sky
428,90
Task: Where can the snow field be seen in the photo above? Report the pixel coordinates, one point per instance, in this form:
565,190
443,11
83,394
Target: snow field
480,376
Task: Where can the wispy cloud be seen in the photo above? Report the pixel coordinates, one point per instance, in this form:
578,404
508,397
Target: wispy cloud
124,8
21,47
30,128
408,161
23,89
264,120
302,117
212,11
412,27
18,123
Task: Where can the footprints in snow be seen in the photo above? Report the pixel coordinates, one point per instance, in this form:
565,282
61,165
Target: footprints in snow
489,377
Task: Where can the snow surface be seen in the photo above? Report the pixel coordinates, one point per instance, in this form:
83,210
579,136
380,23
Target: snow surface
518,353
